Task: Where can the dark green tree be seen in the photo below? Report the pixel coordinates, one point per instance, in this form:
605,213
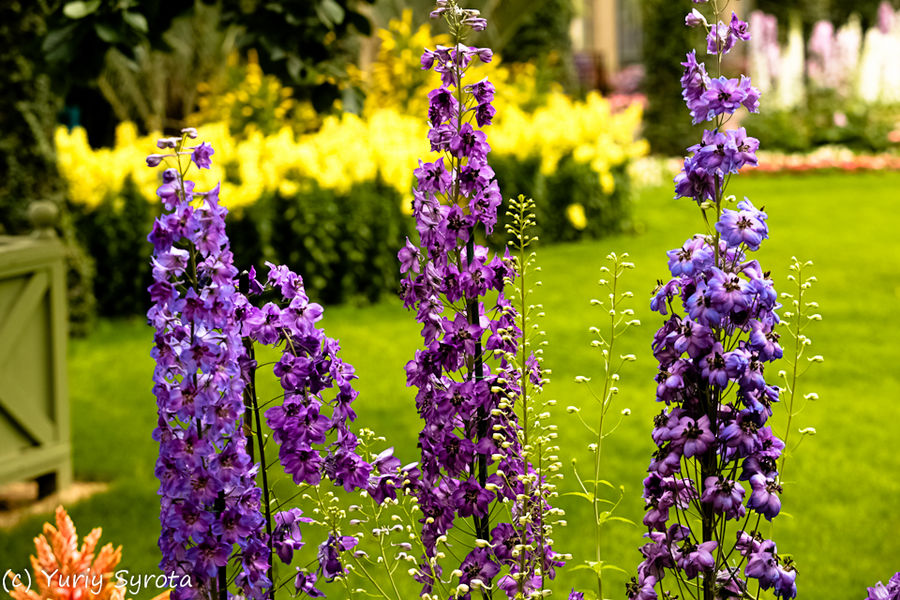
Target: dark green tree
54,49
665,44
836,11
28,108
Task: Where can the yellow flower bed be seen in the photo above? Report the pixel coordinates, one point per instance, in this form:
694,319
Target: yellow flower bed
349,149
386,142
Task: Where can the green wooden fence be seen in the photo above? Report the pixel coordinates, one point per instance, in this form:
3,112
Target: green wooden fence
34,404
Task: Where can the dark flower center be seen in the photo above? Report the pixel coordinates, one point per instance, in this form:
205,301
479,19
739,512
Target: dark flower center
693,431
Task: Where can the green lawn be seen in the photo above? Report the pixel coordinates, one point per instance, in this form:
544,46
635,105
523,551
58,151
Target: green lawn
842,487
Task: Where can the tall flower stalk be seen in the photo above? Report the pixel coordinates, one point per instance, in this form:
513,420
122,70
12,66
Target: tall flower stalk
620,319
222,523
712,351
529,414
795,322
210,503
471,466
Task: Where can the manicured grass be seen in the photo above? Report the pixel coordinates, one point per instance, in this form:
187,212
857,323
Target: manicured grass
842,485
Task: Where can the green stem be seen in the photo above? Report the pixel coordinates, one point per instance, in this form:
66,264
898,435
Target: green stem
251,397
798,350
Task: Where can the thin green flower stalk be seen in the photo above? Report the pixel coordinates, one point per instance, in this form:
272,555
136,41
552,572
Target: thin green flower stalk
329,514
620,319
795,322
532,514
389,528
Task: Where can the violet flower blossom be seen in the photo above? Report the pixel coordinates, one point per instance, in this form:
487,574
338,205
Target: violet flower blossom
204,384
470,453
718,335
210,503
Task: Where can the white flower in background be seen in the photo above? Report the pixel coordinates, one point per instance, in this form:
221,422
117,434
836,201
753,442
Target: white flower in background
790,88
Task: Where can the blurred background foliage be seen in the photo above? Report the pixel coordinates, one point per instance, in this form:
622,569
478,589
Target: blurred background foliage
297,195
316,110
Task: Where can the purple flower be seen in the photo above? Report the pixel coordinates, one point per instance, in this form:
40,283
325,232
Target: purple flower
433,177
747,225
695,181
469,143
695,18
751,95
764,341
696,437
764,497
891,591
741,434
286,537
641,589
741,149
694,257
695,339
483,91
725,496
200,155
762,564
443,106
484,114
153,160
720,39
472,499
729,584
739,29
409,257
694,559
728,293
329,555
474,21
305,583
478,566
724,96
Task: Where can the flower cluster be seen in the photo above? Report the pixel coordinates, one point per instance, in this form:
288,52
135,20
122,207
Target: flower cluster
470,444
311,445
891,591
309,365
209,411
720,153
712,351
210,501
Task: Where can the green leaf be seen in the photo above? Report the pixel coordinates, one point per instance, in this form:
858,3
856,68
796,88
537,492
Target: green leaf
614,568
294,65
137,21
330,12
80,9
589,567
58,43
106,33
588,497
621,520
602,482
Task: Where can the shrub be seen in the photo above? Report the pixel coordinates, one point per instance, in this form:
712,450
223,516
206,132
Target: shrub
113,234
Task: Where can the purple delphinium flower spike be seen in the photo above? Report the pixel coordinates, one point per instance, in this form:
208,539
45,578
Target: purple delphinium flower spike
471,457
209,499
713,348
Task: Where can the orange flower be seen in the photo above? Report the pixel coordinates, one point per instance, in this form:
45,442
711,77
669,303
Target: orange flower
62,571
